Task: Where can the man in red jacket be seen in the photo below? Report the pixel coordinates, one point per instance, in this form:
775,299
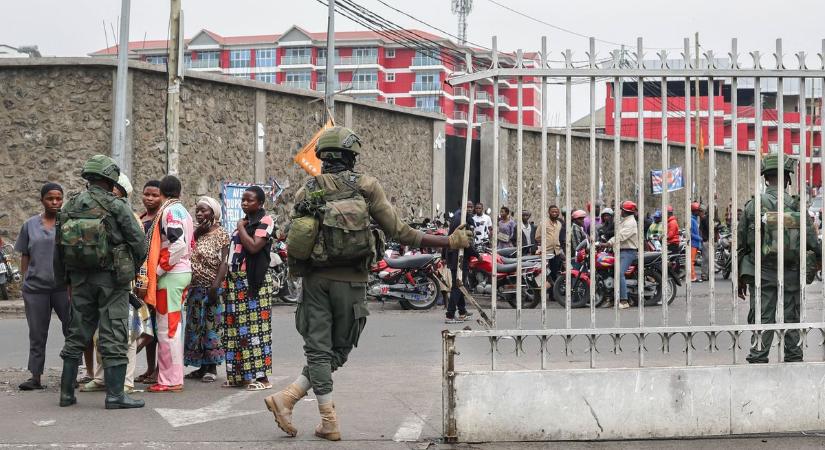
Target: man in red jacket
672,231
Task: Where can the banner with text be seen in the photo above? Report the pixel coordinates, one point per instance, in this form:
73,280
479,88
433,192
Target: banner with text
231,195
675,180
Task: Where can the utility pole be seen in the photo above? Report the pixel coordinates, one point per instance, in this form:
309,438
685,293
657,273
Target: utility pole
698,119
173,89
329,85
119,124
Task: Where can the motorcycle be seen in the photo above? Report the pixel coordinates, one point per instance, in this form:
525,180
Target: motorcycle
8,271
723,255
287,288
415,280
480,277
582,279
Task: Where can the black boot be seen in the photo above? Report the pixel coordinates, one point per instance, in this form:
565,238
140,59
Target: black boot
67,381
115,397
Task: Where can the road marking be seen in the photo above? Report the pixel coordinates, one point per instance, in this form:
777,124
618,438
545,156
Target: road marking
219,410
410,429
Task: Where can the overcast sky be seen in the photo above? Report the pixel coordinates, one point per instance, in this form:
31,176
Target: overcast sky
73,28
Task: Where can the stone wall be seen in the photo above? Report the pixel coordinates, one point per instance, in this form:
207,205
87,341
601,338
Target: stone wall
580,171
56,112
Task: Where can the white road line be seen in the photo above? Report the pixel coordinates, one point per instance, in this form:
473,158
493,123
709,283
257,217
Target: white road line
410,429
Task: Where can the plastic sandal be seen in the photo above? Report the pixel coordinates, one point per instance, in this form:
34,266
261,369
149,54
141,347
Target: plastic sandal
92,386
258,386
165,388
209,377
228,384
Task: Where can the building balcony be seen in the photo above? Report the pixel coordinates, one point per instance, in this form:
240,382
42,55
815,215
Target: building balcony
459,119
200,64
460,95
299,84
426,87
349,60
481,118
429,108
420,62
483,99
304,60
503,103
350,86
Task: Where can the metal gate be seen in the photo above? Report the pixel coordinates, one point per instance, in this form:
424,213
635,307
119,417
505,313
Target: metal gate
650,371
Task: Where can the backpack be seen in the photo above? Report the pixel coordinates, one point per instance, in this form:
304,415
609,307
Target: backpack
338,226
770,218
84,237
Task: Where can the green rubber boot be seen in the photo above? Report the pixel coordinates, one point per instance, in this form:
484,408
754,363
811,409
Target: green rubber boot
115,397
67,381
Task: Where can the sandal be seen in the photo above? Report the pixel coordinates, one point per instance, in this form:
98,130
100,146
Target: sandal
146,379
165,388
85,380
209,377
229,384
258,386
92,386
30,385
194,375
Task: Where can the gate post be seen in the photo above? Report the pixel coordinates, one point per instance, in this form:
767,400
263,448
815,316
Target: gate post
448,389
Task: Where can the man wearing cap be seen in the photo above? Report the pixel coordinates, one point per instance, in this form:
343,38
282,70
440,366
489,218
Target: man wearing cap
746,258
99,247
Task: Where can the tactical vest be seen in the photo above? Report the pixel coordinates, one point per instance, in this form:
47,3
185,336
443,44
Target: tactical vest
771,218
333,229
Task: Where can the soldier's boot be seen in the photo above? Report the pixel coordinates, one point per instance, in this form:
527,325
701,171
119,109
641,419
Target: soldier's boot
116,398
67,381
281,404
328,428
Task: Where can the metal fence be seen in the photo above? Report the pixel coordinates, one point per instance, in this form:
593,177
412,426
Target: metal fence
559,335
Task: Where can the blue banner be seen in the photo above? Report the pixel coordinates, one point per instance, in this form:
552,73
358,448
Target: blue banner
231,194
675,180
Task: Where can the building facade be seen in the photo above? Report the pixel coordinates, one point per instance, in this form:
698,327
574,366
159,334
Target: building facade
719,97
368,66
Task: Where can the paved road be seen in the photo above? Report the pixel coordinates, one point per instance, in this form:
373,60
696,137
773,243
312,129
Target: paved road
389,391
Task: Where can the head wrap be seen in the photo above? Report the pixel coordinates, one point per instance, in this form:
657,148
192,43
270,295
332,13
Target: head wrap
50,187
213,204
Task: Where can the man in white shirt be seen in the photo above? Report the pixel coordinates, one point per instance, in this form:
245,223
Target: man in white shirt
482,224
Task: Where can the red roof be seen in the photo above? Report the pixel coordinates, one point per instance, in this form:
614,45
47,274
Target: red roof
263,39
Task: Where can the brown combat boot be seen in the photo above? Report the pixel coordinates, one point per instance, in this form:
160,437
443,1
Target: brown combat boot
328,428
281,404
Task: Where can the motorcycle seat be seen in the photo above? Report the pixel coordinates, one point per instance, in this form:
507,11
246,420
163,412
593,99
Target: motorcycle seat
651,257
410,262
507,252
511,268
505,260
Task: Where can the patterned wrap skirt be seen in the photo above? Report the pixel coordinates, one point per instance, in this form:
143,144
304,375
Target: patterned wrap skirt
247,330
203,327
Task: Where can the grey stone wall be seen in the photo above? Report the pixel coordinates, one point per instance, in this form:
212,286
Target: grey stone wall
580,171
56,112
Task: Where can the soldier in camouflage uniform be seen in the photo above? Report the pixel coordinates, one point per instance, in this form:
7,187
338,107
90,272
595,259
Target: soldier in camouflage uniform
99,249
746,255
332,311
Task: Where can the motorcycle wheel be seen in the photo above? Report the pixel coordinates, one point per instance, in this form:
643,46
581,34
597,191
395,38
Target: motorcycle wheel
529,298
670,292
291,290
654,277
432,294
726,272
4,292
579,298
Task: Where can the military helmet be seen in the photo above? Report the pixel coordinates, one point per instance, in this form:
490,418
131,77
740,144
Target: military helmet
335,139
101,166
771,162
124,184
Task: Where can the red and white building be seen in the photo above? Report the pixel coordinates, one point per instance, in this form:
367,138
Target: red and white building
367,66
720,96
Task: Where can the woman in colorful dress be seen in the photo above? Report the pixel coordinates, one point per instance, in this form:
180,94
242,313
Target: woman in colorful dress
202,347
169,273
248,333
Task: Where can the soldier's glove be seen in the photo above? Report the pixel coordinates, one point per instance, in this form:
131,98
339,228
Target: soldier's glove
461,238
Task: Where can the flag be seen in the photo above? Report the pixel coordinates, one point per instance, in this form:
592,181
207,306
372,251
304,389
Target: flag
701,147
306,156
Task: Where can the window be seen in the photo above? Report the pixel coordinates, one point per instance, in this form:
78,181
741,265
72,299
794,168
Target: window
298,76
239,58
391,77
365,80
365,55
774,147
322,76
265,57
268,77
427,81
187,60
752,145
160,60
206,60
426,58
242,75
428,103
296,55
389,53
795,149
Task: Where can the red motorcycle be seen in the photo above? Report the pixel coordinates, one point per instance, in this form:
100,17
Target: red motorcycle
415,280
480,278
581,279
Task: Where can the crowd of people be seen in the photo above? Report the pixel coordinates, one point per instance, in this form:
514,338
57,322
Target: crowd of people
204,295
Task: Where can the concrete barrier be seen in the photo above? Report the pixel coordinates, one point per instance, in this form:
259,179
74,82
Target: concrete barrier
594,404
